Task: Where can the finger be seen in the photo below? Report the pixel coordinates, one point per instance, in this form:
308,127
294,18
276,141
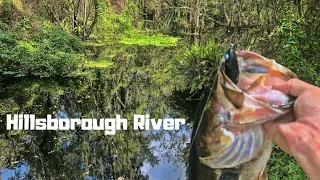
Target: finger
272,126
293,87
275,134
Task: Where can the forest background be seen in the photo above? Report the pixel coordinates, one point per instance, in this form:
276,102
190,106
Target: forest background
61,39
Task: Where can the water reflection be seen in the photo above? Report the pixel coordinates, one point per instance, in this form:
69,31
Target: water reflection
141,80
171,164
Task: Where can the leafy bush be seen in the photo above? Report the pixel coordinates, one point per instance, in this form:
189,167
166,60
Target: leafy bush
51,53
199,64
288,37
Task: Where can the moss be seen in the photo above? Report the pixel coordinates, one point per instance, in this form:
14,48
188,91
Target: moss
101,63
141,39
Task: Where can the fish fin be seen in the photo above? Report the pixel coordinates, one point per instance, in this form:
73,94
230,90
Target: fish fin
226,137
230,174
263,174
235,97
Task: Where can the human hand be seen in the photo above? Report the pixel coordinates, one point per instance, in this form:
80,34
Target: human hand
298,132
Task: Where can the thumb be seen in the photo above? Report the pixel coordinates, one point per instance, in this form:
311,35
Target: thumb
293,87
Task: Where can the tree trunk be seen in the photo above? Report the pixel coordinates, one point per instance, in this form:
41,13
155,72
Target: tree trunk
84,19
195,19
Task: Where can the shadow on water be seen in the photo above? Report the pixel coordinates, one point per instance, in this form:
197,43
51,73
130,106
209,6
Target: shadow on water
141,80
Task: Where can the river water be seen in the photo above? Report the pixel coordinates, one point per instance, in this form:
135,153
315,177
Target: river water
142,79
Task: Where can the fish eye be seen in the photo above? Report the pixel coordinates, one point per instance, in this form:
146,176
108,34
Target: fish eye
226,56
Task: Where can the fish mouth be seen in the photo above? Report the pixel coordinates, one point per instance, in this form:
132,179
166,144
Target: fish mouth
249,97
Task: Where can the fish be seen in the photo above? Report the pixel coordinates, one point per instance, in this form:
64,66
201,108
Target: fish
229,142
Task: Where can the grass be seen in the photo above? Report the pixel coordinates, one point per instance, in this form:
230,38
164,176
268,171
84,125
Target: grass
282,166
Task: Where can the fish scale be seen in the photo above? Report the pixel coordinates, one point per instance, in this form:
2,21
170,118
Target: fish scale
241,149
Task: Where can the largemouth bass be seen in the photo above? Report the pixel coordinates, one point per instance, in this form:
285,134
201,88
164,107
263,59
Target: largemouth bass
229,142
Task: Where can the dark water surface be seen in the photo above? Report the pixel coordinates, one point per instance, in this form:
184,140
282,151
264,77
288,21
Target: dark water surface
141,80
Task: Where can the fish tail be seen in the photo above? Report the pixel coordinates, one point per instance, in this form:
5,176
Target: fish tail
263,174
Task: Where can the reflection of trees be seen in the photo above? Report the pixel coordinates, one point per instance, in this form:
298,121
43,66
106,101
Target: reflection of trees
140,80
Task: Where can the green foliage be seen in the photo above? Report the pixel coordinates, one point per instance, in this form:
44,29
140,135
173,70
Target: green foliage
10,10
282,166
288,36
55,39
105,27
110,25
199,64
136,78
4,26
52,53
